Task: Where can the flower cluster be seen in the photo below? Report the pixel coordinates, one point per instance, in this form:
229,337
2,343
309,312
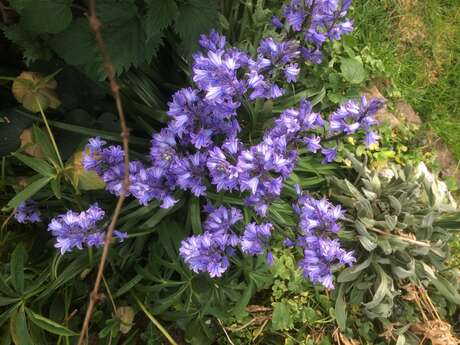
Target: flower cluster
202,148
315,22
352,116
27,212
211,251
317,230
73,230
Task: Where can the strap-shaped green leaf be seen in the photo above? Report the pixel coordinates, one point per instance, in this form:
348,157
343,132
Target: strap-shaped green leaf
49,325
39,165
29,191
17,263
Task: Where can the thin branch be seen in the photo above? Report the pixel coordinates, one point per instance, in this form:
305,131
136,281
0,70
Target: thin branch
95,25
225,331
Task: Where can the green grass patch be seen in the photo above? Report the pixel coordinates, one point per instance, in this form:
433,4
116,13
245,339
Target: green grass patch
419,43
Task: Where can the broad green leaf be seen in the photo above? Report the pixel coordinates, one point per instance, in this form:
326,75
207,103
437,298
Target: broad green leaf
282,318
352,70
195,215
46,16
39,165
341,309
19,329
49,325
29,191
76,44
17,263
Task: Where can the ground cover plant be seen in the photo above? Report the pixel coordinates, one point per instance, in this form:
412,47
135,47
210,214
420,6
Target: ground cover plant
264,202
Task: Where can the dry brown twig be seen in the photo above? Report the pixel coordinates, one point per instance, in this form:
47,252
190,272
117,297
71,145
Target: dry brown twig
95,26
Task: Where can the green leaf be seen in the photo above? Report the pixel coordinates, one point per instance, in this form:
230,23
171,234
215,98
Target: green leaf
367,242
282,318
8,300
19,329
32,47
128,286
76,45
46,16
352,70
44,142
239,308
341,309
49,325
10,131
351,273
160,14
195,215
39,165
195,17
55,185
29,191
17,262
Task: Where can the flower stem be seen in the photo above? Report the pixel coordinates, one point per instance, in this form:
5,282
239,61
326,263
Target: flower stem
51,135
155,321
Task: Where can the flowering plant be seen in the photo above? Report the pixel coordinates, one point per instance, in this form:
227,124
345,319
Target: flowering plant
204,146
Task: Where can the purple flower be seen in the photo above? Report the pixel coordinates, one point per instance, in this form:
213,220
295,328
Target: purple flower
208,252
352,116
313,143
295,17
371,138
189,172
329,155
222,219
318,225
291,72
222,168
255,238
27,212
74,230
213,41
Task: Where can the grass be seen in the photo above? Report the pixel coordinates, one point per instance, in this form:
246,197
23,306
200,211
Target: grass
419,44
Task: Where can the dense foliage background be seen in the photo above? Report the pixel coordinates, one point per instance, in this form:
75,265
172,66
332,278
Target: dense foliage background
401,219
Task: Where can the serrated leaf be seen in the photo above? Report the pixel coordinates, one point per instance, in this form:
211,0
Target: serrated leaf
160,14
352,70
29,191
32,47
49,325
39,165
196,17
46,16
